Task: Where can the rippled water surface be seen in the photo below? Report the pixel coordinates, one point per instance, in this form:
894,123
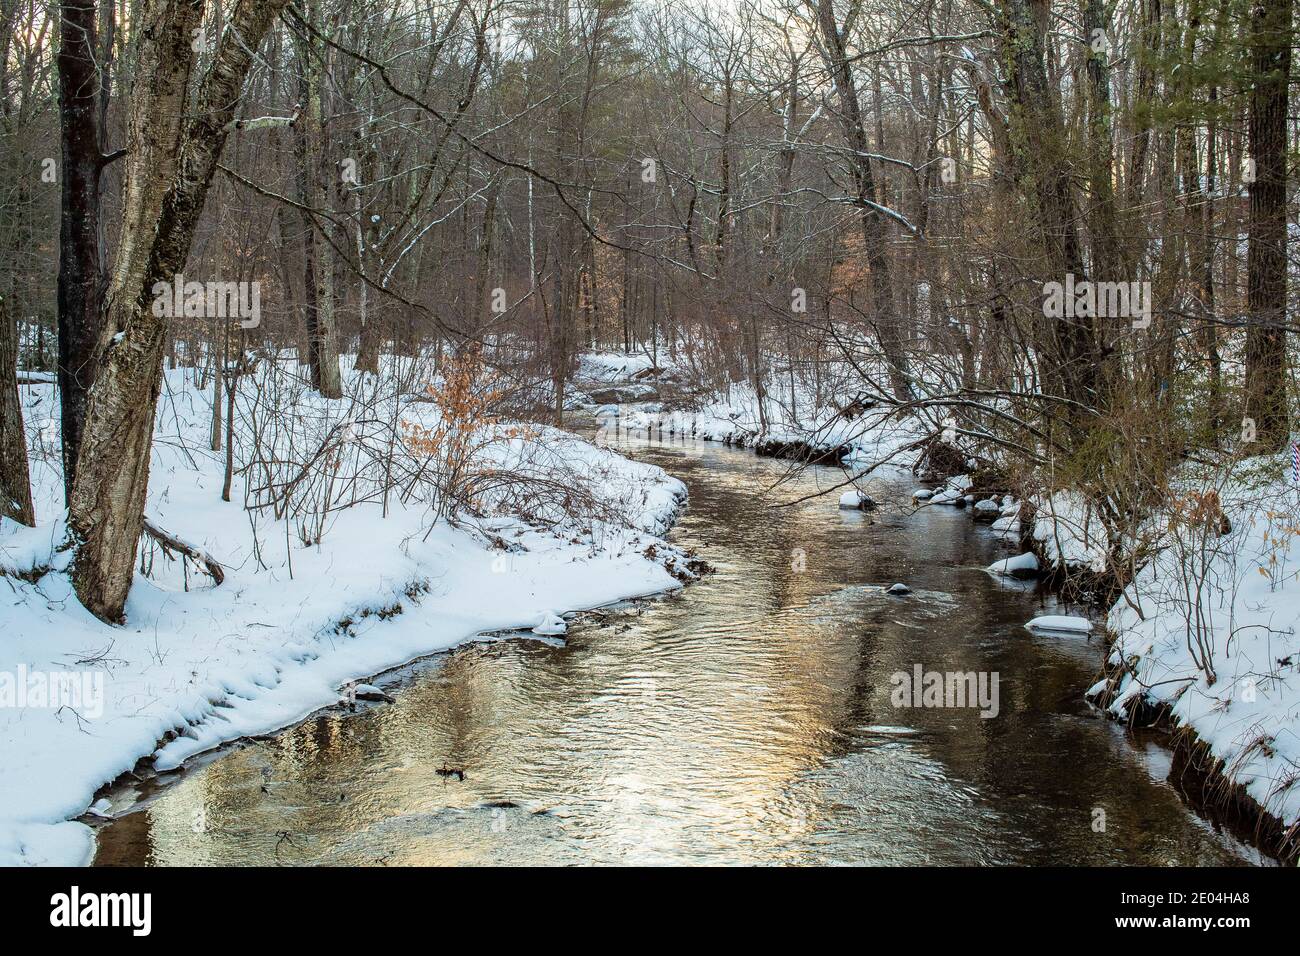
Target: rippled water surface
746,719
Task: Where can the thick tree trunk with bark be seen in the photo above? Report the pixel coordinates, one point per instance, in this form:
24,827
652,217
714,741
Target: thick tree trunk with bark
1040,156
1103,225
15,480
80,286
1266,364
107,506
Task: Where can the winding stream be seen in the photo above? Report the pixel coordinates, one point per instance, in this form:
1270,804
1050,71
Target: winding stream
746,719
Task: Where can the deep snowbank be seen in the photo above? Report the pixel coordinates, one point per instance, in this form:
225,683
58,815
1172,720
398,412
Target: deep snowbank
1226,605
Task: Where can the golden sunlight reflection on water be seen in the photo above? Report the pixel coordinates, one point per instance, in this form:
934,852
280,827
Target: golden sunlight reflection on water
744,720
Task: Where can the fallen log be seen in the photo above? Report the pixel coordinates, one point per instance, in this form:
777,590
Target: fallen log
169,543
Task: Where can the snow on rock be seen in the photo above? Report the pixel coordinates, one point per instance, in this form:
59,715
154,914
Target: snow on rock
371,693
923,494
196,666
954,492
1021,566
551,625
1061,622
1007,524
1007,527
857,500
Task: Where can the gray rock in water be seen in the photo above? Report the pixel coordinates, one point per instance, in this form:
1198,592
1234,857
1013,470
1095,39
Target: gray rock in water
899,589
372,693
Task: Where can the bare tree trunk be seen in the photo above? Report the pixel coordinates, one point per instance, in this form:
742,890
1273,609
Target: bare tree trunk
219,361
1100,216
484,265
1198,196
15,481
1148,50
322,332
1040,149
106,514
80,287
371,338
1266,379
875,232
1209,331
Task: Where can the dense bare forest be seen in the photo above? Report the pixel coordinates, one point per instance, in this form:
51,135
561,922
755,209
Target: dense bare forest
1044,246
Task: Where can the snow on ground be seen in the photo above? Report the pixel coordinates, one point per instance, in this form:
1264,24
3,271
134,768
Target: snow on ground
1233,602
294,622
611,367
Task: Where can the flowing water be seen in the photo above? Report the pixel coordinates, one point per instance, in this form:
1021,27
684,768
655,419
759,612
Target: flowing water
745,719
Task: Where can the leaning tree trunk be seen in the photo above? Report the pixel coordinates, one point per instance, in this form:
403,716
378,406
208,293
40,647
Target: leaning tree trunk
107,507
15,482
1266,378
80,285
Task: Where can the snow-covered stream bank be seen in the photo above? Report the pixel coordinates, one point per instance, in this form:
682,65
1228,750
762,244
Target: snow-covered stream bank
746,718
773,678
304,610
